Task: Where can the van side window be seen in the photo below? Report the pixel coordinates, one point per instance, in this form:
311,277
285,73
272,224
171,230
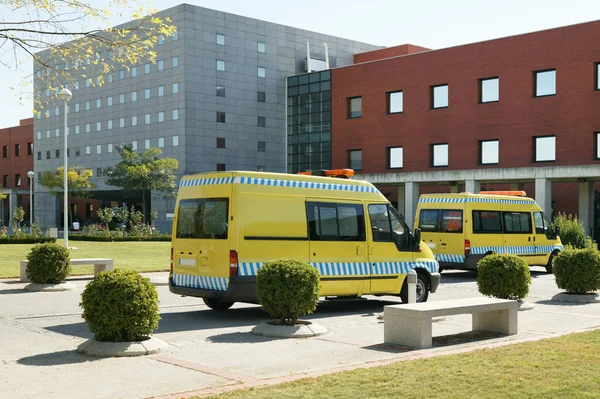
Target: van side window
452,221
487,222
542,225
387,226
203,218
335,222
429,220
517,222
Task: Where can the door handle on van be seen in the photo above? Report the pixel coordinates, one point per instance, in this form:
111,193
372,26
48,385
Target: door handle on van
359,250
529,239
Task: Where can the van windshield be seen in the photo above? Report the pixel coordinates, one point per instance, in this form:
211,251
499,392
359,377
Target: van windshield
202,218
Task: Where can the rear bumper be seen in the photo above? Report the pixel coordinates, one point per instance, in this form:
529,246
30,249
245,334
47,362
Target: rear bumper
434,281
240,289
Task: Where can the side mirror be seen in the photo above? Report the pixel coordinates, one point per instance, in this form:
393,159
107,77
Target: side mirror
417,238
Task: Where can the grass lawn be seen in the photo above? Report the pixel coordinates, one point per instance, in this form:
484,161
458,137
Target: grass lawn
564,367
134,255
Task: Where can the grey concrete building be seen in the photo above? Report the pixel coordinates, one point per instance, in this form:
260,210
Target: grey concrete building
215,100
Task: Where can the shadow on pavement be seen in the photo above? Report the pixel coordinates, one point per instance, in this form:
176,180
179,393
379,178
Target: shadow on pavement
13,291
56,359
450,276
239,338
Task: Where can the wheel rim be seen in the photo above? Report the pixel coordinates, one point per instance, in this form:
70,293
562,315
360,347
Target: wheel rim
420,290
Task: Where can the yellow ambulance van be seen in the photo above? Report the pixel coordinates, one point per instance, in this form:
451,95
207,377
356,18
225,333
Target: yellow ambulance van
462,228
228,224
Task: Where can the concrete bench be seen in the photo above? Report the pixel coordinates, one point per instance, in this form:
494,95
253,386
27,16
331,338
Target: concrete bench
411,324
100,265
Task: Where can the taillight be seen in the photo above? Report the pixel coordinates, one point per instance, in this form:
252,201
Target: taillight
467,247
233,263
171,260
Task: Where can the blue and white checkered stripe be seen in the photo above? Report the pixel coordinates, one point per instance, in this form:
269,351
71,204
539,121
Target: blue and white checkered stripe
359,188
201,282
206,181
517,250
449,258
478,200
327,269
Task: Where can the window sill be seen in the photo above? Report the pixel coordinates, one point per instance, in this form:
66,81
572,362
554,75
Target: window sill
433,108
489,102
544,95
548,161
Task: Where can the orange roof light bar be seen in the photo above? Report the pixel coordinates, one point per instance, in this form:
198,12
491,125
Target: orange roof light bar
340,173
511,193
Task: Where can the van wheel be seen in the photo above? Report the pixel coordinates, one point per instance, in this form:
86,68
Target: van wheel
550,264
215,304
422,289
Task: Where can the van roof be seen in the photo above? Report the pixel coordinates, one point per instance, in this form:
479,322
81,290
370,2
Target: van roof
278,180
466,195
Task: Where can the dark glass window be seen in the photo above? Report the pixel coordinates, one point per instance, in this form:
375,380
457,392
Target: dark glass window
39,155
220,142
220,167
429,220
388,226
5,151
487,222
30,148
220,117
355,159
452,221
261,96
57,153
262,146
220,91
517,222
335,222
17,150
261,121
355,107
5,181
202,218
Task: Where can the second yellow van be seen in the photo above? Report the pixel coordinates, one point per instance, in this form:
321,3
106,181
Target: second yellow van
462,228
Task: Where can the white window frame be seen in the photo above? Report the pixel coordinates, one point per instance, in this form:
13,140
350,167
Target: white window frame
440,155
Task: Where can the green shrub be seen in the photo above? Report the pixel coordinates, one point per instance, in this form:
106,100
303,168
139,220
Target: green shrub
571,230
287,288
503,276
48,264
26,240
578,270
120,306
119,238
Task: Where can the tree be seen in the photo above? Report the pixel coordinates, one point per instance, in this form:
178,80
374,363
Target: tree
78,180
70,40
144,172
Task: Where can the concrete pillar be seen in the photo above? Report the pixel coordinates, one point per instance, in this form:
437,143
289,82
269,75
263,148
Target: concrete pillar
411,198
586,206
543,195
12,205
401,204
472,186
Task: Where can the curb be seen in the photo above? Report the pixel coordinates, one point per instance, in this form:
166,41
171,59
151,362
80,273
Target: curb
64,286
151,346
309,329
575,298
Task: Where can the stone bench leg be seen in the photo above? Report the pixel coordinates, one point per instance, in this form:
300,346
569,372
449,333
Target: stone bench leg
405,331
109,265
23,272
500,321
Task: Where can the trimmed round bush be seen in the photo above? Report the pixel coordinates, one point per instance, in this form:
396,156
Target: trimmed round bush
287,288
120,306
503,276
578,270
48,264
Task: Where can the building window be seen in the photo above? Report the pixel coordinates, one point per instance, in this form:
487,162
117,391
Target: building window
39,155
57,153
261,96
77,107
18,180
262,146
220,65
161,116
56,111
439,96
220,117
121,98
597,75
175,114
88,128
110,77
109,124
147,144
161,91
597,146
5,181
47,154
220,167
30,148
39,135
544,148
98,126
147,119
355,107
175,141
395,157
545,83
121,74
109,101
98,103
134,145
161,142
220,91
175,62
98,149
47,134
17,150
146,68
109,148
355,159
88,150
395,102
56,132
439,154
489,152
220,142
133,96
161,65
98,172
134,120
175,88
87,105
262,72
121,122
220,39
261,121
489,90
146,94
175,36
261,48
133,72
4,151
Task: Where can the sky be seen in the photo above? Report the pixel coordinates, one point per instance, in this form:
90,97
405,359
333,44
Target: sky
433,24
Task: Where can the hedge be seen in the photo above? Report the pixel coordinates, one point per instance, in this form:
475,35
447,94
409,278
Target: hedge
48,264
81,237
503,276
578,270
26,240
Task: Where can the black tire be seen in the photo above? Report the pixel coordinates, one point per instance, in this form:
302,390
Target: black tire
216,304
549,265
422,288
440,269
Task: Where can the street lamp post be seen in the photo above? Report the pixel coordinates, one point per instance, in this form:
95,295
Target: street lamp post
30,174
65,96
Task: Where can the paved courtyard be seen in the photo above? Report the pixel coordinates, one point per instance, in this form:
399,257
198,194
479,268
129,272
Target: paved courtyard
40,331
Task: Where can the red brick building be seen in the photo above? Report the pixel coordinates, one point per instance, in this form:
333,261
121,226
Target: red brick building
517,112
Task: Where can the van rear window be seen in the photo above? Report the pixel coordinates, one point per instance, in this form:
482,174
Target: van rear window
202,218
